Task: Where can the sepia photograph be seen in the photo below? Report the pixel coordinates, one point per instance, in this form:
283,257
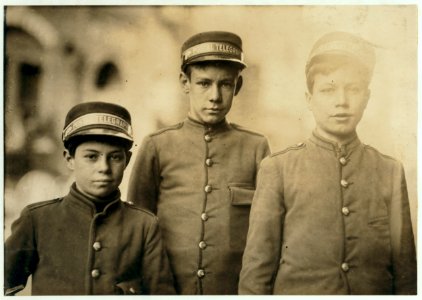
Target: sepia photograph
210,149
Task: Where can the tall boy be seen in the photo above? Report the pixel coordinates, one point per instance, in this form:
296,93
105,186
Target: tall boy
199,175
331,215
89,242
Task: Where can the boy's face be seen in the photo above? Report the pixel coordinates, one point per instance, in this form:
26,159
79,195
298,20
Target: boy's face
338,100
211,90
98,168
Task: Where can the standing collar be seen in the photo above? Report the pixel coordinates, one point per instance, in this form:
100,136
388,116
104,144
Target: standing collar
333,146
82,201
220,126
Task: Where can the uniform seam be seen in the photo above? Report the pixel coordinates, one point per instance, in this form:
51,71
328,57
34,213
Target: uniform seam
241,128
376,151
287,150
140,209
174,127
43,203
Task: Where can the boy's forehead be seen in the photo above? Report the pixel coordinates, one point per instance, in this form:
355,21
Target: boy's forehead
100,145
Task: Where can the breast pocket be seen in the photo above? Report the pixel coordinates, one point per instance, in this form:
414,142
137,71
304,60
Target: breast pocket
241,196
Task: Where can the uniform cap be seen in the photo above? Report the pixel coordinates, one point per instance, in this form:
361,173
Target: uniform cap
213,46
343,44
98,118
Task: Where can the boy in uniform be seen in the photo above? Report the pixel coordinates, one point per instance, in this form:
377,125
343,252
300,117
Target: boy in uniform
331,215
199,175
89,242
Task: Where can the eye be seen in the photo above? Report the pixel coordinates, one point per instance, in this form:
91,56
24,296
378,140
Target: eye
227,84
327,89
203,84
92,157
116,157
354,89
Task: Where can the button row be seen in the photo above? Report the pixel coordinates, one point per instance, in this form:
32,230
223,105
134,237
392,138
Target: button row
344,183
345,211
95,273
345,267
200,273
209,162
202,245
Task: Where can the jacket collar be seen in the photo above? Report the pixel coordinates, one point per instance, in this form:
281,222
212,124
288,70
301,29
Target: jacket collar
342,150
81,201
219,127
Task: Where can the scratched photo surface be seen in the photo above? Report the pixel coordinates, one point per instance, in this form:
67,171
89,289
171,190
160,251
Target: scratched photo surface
56,57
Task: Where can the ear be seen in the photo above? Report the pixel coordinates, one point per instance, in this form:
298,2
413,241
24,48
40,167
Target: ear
308,97
128,157
184,82
70,160
239,84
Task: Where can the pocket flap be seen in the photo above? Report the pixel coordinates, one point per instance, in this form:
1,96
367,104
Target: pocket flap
241,195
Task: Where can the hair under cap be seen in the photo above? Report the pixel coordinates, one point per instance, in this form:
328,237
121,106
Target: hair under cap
97,118
343,44
213,46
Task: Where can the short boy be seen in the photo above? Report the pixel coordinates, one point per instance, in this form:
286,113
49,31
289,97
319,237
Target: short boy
331,215
89,242
199,175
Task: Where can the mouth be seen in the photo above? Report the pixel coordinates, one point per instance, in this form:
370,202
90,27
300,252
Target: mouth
103,181
213,110
342,116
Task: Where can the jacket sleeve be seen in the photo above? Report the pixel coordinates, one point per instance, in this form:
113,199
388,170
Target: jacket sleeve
262,152
158,279
20,254
144,180
263,246
402,240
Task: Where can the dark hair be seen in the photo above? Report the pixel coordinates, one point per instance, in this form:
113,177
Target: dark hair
75,141
213,63
329,63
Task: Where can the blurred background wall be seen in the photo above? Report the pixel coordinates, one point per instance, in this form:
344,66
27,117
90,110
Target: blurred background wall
56,57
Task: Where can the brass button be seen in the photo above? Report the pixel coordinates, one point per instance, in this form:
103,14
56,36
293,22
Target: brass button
345,267
132,290
343,161
202,245
208,189
204,216
209,162
97,246
207,138
344,183
200,273
345,211
95,273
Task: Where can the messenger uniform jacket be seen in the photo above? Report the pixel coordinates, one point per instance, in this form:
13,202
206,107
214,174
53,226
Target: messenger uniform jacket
328,220
200,180
71,250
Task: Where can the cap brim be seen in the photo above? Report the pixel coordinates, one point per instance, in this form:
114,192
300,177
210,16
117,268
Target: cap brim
103,132
215,58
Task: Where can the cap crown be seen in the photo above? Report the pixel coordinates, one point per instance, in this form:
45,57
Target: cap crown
98,118
344,44
213,46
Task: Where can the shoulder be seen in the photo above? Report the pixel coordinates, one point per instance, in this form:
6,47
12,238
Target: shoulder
43,204
246,130
291,149
377,155
144,213
166,130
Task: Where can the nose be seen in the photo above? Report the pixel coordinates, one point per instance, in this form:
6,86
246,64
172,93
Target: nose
215,93
342,98
103,164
